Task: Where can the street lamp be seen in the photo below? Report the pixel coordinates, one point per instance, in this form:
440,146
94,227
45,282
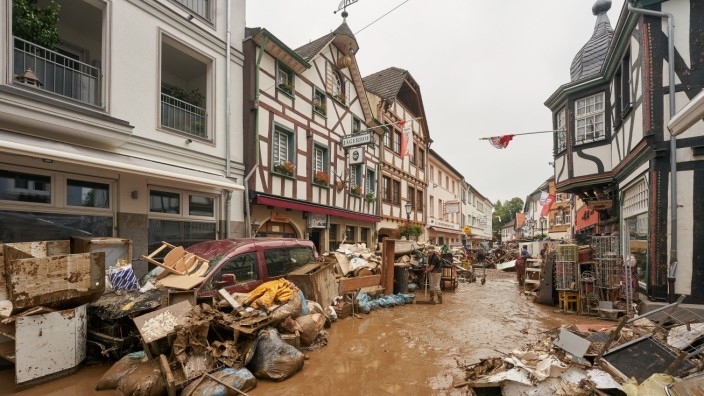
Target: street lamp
409,207
543,220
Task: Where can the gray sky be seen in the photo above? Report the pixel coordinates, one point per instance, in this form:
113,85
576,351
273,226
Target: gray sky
485,68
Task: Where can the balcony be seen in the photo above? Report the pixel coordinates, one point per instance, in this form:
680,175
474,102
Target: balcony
183,116
200,7
59,74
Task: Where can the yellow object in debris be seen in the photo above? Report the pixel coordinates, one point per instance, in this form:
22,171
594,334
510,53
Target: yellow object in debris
128,306
277,290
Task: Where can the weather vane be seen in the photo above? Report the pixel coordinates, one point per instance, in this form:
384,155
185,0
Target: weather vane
343,6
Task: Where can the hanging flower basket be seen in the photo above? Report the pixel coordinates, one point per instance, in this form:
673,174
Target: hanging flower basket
285,168
370,197
356,189
321,178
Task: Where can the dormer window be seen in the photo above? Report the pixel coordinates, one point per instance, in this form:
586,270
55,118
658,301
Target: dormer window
338,88
590,119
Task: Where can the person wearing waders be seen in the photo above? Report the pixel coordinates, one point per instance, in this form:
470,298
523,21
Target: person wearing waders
434,270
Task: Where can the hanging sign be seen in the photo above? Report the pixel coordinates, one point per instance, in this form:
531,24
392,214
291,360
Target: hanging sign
279,217
359,139
317,220
356,155
600,204
467,230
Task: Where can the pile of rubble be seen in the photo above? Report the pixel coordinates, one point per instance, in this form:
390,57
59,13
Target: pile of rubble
657,353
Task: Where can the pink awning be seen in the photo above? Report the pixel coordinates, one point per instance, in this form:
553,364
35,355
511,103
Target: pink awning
313,208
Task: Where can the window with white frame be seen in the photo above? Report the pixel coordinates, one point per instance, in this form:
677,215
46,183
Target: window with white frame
558,217
356,125
431,206
356,178
181,217
387,138
43,205
282,149
202,8
319,102
338,88
320,165
561,133
590,119
635,214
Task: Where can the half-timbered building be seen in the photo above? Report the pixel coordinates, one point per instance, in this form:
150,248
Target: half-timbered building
311,159
397,103
630,88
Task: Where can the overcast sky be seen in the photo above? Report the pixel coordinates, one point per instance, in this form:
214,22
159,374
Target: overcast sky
485,68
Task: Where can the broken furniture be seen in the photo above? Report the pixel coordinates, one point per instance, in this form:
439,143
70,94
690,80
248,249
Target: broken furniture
157,328
533,274
115,249
316,281
177,261
44,344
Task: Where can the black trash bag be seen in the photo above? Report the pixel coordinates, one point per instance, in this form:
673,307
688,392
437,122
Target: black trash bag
274,359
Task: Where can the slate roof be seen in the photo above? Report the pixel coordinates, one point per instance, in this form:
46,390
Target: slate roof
590,58
308,51
386,83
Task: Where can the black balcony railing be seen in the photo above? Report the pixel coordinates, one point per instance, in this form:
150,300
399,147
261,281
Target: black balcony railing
183,116
58,73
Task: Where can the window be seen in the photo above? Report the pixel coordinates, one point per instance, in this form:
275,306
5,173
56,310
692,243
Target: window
397,142
441,212
243,266
412,157
282,151
282,261
319,102
338,88
285,81
334,241
419,201
201,206
432,173
411,196
181,217
558,217
350,233
184,89
356,179
387,138
396,192
364,235
87,194
201,8
431,206
25,187
34,197
568,217
70,70
320,165
421,158
386,188
164,202
356,125
561,134
590,119
622,89
370,182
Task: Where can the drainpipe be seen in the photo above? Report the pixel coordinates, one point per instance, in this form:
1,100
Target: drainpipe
228,93
672,271
248,226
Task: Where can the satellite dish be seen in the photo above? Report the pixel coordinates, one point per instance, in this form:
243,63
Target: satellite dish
343,5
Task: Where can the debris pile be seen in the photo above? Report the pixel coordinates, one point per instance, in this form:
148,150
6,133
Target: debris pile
655,349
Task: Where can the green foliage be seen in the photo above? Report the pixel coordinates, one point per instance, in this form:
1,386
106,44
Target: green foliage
409,230
505,212
36,24
193,96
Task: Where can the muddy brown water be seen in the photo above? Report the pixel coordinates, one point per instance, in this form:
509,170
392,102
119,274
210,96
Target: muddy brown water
414,349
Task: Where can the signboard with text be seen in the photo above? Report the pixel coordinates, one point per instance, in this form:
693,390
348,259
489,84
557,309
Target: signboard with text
359,139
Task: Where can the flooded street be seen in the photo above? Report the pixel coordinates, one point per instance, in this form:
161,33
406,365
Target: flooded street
414,349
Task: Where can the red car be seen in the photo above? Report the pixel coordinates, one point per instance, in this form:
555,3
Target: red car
240,265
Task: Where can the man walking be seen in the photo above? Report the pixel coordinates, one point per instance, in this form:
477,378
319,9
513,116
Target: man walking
434,270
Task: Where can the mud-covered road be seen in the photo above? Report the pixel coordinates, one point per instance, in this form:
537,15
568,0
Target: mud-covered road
415,349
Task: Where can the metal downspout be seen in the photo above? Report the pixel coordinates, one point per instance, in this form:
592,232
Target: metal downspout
672,272
248,226
228,112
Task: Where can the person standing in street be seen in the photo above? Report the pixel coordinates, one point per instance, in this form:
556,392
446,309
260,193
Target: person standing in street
521,265
434,271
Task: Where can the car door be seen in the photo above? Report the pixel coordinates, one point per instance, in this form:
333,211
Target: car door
246,271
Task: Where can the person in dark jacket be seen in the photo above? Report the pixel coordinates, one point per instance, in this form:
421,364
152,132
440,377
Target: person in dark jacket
434,270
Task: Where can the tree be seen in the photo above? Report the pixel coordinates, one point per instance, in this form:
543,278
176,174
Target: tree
36,24
410,231
505,212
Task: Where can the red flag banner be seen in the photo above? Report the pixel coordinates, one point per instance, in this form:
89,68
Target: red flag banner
500,142
406,139
547,205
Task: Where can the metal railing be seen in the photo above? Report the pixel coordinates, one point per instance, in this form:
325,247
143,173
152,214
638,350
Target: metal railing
183,116
200,7
58,73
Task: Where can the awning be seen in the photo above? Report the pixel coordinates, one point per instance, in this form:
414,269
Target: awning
13,143
313,208
445,230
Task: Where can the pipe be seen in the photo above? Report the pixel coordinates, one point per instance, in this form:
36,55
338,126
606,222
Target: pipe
248,227
672,271
228,104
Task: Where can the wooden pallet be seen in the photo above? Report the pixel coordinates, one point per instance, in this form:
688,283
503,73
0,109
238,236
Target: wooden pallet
253,324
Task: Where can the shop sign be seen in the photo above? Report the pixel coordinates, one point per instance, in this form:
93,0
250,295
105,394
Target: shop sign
359,139
600,204
317,220
279,217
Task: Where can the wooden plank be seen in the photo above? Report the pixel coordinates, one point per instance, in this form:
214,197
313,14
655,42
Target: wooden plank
168,375
350,284
181,282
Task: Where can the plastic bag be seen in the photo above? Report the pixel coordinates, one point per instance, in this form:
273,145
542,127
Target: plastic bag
241,379
118,370
144,380
122,278
273,358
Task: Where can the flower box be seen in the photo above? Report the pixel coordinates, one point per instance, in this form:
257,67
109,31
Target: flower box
356,189
285,168
321,178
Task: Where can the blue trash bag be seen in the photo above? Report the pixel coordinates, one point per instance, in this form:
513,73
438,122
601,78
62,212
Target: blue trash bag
241,379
